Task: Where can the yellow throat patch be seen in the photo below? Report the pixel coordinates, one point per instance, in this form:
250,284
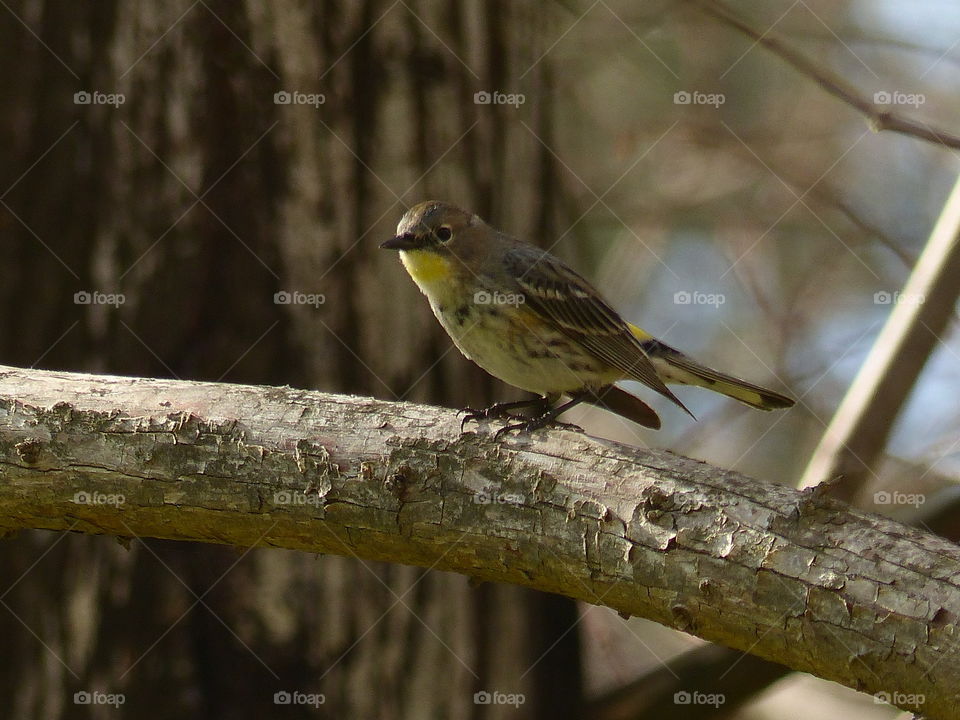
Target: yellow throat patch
426,268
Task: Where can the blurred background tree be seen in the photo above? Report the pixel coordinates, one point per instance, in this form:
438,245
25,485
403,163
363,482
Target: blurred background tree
721,199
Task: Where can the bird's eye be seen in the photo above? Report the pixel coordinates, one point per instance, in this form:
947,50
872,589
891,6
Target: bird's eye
444,233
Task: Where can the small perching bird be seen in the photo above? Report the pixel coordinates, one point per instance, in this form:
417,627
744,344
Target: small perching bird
526,318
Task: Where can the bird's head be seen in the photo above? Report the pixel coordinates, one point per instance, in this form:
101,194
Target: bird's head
434,227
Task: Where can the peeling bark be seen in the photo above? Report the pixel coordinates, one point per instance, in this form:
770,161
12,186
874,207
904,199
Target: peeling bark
793,577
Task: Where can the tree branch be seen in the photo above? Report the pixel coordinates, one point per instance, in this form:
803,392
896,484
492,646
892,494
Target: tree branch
789,576
830,82
707,667
922,313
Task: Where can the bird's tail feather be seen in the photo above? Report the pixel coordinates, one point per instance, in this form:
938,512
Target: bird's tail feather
675,367
689,372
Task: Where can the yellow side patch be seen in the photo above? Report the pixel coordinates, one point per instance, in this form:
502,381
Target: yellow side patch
639,334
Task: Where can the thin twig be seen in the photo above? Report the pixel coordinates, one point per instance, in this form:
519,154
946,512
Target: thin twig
835,85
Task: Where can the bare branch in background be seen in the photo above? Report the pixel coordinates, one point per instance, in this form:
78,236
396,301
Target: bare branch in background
921,313
829,81
707,668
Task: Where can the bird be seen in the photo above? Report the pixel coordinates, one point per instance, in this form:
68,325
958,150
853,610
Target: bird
530,320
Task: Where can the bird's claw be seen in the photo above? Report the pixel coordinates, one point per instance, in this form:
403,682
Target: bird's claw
469,414
490,413
524,424
535,424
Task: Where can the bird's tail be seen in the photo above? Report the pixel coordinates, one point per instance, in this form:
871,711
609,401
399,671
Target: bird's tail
675,367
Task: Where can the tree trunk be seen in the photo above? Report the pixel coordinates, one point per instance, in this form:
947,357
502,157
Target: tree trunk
198,199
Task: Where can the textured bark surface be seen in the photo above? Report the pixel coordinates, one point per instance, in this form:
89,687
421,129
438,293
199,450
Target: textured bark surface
792,577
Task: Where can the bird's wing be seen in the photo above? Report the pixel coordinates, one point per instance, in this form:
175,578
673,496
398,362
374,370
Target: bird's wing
566,300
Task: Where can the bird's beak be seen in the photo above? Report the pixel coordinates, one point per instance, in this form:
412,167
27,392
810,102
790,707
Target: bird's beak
407,241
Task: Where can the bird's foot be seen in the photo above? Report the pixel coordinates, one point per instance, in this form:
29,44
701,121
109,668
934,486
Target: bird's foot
546,415
498,411
528,426
490,413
